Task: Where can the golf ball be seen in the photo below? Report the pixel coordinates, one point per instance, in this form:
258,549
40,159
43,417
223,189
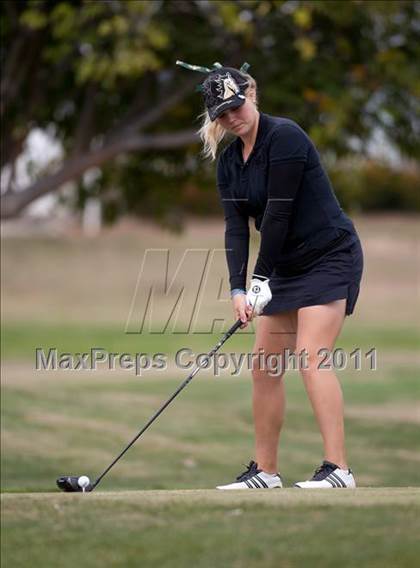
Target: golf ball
83,481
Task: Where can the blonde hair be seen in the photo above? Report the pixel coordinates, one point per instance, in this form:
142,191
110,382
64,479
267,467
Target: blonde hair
211,133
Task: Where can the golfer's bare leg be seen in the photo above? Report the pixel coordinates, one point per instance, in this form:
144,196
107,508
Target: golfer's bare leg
274,335
319,327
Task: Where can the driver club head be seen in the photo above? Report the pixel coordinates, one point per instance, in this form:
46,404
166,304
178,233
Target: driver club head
69,484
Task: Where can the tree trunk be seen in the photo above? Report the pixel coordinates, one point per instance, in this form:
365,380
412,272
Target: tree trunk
12,204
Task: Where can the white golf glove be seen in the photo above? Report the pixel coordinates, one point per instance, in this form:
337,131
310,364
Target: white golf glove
258,295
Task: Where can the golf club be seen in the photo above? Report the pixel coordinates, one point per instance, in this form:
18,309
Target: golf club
73,484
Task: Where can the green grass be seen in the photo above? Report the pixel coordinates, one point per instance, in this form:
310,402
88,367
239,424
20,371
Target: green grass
55,423
19,341
74,293
207,529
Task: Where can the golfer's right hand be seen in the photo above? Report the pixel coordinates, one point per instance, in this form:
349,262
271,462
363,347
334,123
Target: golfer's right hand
241,309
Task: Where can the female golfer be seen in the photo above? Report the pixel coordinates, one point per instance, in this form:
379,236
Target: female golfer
308,271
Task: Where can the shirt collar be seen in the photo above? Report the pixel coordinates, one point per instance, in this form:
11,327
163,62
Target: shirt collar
262,130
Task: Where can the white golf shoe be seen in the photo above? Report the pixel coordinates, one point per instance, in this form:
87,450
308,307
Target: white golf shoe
329,476
254,478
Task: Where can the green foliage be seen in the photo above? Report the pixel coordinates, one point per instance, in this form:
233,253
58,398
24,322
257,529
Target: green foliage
340,69
168,186
373,186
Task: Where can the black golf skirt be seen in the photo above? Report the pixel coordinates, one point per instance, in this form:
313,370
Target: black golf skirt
334,275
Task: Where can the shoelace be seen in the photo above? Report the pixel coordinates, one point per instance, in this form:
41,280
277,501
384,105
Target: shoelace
322,471
251,469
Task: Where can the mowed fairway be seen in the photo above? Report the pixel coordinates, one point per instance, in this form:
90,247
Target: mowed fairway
367,527
158,506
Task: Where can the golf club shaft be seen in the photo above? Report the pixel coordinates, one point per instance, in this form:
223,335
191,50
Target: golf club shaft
225,337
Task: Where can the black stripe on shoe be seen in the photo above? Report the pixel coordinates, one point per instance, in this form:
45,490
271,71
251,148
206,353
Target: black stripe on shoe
249,484
338,479
331,482
263,483
254,482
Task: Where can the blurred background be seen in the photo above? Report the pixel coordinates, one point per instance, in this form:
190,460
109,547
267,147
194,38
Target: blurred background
101,161
99,123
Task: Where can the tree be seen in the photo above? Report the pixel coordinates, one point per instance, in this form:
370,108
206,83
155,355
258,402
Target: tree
102,74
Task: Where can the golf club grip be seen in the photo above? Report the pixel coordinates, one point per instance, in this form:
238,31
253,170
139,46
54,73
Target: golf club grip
234,327
225,337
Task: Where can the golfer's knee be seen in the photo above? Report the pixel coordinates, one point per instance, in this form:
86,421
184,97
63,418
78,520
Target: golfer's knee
309,363
262,371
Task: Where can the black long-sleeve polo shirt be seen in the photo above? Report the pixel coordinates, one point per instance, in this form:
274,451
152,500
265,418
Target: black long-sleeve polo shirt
284,187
